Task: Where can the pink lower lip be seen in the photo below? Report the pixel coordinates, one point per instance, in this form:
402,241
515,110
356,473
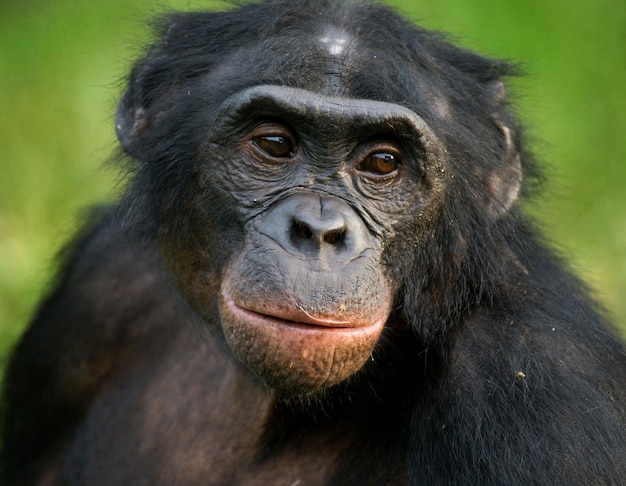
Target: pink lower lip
298,319
313,355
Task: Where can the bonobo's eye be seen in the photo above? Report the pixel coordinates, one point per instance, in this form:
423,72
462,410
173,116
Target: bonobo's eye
273,139
381,160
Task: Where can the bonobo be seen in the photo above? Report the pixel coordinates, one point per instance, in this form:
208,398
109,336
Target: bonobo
320,274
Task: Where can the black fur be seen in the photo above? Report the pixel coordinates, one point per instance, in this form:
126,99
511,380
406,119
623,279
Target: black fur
495,366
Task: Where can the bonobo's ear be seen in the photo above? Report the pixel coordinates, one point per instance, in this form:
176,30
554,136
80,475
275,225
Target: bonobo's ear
144,106
505,180
152,87
131,122
187,46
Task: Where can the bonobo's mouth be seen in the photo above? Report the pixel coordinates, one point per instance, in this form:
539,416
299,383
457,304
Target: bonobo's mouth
299,319
296,352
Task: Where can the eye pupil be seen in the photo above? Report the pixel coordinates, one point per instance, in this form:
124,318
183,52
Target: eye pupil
274,145
385,162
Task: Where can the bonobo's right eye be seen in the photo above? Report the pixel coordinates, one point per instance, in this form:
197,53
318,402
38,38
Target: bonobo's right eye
274,140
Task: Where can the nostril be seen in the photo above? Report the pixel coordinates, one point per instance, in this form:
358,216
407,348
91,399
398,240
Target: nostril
303,231
334,237
306,233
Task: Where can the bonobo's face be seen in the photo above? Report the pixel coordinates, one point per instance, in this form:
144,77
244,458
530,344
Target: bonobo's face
297,184
318,185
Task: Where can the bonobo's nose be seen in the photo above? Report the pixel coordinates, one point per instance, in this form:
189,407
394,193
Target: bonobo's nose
316,225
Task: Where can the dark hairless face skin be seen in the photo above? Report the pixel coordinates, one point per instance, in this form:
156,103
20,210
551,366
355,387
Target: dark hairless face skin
320,274
305,300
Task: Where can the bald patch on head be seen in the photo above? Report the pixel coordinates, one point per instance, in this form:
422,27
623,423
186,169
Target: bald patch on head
334,42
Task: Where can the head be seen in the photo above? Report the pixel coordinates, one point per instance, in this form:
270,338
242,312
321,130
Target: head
316,173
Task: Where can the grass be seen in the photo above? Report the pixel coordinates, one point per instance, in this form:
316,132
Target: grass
62,62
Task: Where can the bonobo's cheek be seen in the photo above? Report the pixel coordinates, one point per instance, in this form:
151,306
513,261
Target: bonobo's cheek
296,357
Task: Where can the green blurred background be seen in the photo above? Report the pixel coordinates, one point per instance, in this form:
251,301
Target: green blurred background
62,63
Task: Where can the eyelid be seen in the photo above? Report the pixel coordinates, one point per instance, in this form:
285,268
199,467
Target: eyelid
265,131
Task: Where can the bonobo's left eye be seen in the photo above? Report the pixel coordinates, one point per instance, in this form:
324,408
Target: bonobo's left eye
273,139
381,160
